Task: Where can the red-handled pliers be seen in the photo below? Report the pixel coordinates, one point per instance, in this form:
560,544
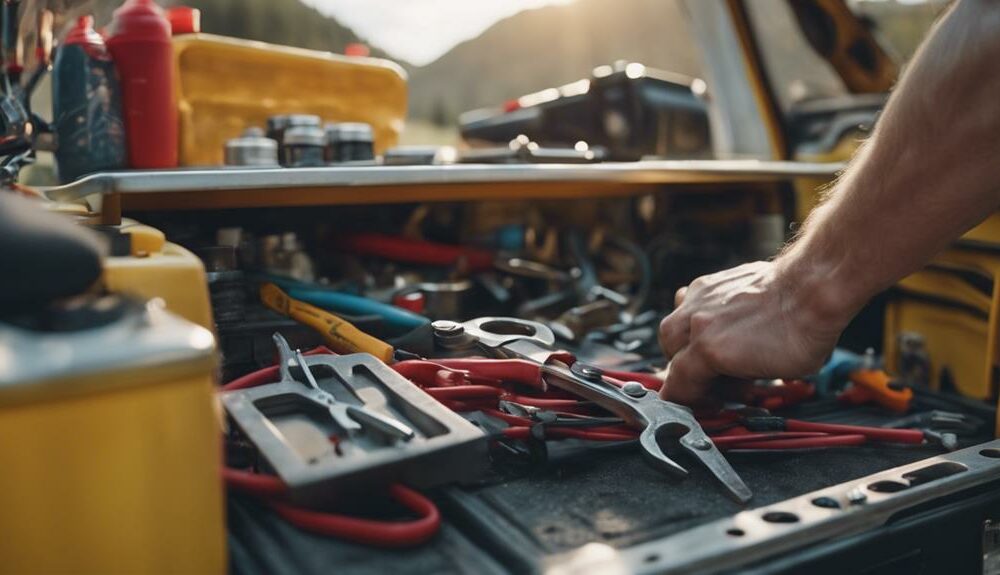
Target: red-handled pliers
406,250
469,384
734,431
484,384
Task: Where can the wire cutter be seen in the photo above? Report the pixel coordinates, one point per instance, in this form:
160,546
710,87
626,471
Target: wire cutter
640,407
341,335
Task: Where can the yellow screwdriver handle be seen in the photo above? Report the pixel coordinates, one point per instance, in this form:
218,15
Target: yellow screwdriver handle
341,335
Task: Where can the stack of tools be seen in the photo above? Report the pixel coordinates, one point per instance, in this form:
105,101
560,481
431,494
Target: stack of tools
317,426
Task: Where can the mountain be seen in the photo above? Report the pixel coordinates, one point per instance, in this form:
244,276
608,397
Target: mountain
548,47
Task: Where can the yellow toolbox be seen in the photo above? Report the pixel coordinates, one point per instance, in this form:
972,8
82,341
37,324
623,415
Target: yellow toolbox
155,268
112,457
225,85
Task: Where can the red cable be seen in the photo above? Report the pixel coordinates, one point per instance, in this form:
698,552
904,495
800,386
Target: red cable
803,443
730,441
544,402
464,392
407,250
873,433
367,531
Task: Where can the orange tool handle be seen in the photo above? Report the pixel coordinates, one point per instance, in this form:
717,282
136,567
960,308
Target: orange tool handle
341,335
874,385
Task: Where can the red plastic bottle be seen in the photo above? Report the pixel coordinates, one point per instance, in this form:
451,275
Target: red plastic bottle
140,46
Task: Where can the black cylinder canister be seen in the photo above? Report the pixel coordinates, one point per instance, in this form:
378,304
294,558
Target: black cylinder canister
349,142
277,125
303,147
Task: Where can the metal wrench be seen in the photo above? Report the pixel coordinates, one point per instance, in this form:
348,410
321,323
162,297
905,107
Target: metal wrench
640,408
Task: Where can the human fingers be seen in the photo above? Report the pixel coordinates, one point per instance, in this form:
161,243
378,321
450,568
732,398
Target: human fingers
689,377
679,296
675,330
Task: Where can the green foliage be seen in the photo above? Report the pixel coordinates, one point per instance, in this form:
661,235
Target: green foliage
287,22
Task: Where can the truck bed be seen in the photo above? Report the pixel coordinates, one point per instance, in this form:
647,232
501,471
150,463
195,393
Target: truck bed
511,524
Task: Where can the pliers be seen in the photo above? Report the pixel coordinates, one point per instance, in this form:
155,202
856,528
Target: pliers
349,417
491,386
633,401
340,334
759,431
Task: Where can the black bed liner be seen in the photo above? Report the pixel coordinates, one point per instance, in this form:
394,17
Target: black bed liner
510,525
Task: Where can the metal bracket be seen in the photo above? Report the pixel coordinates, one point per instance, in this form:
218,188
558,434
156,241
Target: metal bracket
286,423
834,512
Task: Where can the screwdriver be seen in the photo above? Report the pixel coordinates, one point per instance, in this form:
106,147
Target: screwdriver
341,335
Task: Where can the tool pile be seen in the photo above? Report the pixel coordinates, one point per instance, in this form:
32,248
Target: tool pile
437,363
326,441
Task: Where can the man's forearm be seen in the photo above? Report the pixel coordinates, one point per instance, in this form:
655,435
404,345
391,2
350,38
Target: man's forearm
929,172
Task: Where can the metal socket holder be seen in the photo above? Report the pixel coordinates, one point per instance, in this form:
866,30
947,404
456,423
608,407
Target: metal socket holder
278,125
303,147
349,142
293,433
252,149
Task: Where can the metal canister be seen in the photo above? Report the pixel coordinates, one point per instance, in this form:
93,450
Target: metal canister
252,149
278,125
349,142
303,147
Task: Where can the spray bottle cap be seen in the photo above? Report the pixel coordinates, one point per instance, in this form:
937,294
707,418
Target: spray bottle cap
83,33
184,20
139,21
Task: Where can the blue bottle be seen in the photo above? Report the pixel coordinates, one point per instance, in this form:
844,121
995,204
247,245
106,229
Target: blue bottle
86,105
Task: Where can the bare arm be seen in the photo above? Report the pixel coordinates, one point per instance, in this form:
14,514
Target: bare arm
929,173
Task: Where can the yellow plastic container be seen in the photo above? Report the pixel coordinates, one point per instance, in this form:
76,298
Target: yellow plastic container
225,85
111,450
955,305
159,269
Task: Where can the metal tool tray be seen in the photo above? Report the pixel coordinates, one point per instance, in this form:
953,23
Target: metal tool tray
446,447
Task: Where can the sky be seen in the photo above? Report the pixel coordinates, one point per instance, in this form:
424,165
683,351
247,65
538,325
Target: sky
418,31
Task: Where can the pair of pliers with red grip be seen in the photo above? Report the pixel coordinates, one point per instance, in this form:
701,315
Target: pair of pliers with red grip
413,251
475,384
764,431
486,384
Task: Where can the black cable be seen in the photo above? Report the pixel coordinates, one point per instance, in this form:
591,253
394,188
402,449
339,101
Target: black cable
644,270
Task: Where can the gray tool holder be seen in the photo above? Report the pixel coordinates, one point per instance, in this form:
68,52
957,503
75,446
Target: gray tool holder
292,431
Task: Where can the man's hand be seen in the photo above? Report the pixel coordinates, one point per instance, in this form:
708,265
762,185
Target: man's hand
746,322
